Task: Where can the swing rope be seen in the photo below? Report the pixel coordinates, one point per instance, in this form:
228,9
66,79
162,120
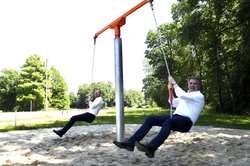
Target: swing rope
93,63
92,72
164,57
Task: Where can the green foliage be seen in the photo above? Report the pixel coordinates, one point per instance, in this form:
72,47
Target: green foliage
73,100
32,84
153,94
86,91
8,83
20,90
133,98
108,92
209,39
58,87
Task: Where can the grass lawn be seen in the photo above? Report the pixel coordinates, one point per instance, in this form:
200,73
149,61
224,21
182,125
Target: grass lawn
136,116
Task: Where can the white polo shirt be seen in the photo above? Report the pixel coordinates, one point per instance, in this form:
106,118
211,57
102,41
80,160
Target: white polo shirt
189,104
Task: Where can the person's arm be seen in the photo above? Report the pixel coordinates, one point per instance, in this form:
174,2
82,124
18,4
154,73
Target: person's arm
184,95
180,93
175,101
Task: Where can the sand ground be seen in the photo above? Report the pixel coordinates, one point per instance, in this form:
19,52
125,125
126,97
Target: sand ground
93,145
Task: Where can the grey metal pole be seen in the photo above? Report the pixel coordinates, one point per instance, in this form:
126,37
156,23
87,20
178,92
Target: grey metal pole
30,105
46,97
15,117
119,97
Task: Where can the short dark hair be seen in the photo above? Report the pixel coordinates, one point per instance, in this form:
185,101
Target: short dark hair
194,78
98,90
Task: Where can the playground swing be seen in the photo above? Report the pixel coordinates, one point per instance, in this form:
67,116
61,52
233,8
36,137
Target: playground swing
165,60
119,97
92,75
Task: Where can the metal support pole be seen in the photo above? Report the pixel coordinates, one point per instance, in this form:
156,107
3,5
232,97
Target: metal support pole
119,97
30,105
15,117
46,90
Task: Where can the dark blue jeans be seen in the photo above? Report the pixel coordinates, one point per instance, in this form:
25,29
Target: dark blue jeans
87,117
176,123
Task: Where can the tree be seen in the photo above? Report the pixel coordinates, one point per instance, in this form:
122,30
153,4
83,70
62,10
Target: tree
155,83
8,87
108,92
86,91
210,39
219,30
32,84
133,98
58,89
73,100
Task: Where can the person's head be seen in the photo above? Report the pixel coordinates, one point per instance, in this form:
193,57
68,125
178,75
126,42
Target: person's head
97,93
194,84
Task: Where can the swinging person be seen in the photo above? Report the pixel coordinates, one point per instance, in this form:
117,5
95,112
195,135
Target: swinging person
88,116
188,107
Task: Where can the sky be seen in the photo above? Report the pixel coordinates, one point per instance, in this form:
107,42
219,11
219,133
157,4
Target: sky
62,32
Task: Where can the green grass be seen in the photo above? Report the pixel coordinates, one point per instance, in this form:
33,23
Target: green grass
224,120
137,116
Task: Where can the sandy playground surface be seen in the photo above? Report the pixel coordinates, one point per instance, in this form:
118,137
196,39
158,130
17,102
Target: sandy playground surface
92,145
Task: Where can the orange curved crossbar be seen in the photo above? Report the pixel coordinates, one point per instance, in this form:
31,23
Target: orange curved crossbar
120,21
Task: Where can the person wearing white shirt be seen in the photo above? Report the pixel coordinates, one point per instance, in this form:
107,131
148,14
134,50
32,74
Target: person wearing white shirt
89,116
188,107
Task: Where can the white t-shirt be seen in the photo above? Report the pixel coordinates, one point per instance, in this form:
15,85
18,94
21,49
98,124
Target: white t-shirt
95,106
189,104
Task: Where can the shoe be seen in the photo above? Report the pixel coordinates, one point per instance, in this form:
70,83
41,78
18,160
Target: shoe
125,145
143,148
58,133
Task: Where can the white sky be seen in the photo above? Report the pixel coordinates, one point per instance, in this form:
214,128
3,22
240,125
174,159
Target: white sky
62,31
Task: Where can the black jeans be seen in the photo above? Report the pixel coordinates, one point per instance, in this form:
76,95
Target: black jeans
176,123
87,117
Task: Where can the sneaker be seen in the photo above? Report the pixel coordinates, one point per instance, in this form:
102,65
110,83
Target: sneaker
58,133
143,148
124,145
